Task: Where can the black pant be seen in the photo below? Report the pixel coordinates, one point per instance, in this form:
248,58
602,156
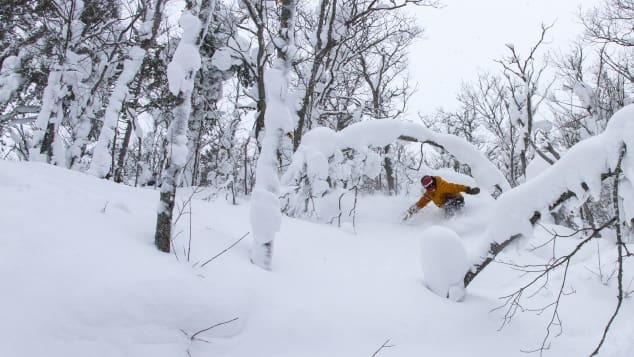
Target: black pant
452,205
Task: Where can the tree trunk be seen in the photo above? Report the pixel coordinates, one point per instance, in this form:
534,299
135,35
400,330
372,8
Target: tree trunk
163,235
139,166
196,154
198,21
118,172
113,151
246,168
389,171
47,141
320,52
265,200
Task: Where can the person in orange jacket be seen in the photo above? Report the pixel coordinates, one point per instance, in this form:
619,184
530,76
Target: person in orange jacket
445,195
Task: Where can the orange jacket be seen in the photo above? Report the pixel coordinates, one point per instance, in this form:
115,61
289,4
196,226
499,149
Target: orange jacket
443,191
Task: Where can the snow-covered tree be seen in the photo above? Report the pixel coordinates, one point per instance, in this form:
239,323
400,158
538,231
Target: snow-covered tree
66,72
181,74
265,206
126,85
78,44
212,131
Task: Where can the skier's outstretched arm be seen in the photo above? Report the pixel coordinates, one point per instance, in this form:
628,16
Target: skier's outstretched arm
413,209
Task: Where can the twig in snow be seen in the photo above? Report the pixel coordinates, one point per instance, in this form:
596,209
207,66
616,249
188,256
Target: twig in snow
384,345
603,278
103,210
184,203
226,249
180,212
193,337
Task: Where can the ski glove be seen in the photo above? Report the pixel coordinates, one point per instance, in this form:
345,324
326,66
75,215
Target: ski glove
410,212
472,190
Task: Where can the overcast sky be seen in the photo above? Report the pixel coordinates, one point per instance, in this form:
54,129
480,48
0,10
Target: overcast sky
467,35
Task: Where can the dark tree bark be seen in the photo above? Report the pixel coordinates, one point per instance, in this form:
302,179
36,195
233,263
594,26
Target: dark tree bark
47,141
118,172
389,171
163,235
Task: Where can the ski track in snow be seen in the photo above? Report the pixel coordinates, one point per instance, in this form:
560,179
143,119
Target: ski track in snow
82,278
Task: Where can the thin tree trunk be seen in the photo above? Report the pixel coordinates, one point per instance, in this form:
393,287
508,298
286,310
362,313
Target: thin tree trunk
320,52
197,153
246,170
256,12
113,151
47,141
389,172
138,163
118,173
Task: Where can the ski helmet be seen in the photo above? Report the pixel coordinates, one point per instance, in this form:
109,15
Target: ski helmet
427,181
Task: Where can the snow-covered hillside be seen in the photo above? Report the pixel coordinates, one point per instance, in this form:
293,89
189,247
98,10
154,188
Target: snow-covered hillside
81,277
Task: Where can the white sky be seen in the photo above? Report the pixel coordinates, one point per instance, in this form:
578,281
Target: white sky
467,35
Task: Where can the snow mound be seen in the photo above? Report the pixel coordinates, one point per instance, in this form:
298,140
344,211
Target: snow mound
444,261
82,278
82,275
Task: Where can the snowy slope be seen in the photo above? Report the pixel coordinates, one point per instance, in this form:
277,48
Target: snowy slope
82,278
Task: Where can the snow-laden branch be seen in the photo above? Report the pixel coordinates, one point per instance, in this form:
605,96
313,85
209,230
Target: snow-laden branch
10,78
321,143
100,165
580,171
46,144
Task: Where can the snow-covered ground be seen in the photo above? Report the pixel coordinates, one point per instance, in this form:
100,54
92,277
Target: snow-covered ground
81,277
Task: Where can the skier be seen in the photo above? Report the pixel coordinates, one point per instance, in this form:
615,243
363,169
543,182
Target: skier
445,195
